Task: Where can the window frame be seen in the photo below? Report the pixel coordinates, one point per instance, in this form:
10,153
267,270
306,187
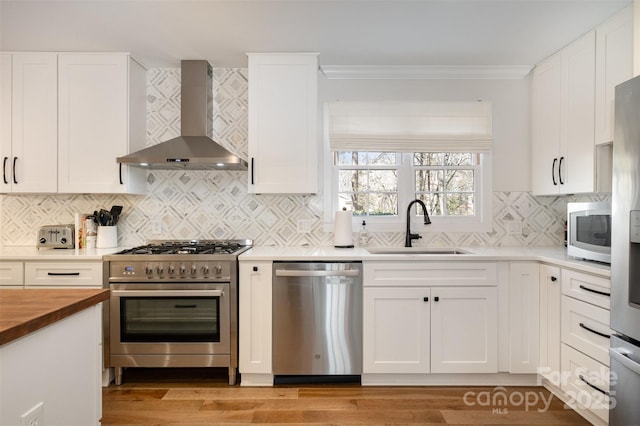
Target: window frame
480,222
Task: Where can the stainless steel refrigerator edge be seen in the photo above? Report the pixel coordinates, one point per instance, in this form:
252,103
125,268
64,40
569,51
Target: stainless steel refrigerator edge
625,257
317,319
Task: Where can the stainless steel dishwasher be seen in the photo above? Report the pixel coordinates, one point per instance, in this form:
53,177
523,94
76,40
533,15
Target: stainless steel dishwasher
317,318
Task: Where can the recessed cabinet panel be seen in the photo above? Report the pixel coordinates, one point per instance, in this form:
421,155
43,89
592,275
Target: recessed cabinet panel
94,123
283,116
464,330
30,114
396,331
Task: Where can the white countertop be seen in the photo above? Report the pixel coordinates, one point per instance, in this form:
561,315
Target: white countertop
33,253
552,255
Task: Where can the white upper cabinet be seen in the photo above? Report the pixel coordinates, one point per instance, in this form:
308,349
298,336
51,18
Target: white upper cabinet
572,110
66,117
614,65
28,122
283,121
563,116
101,116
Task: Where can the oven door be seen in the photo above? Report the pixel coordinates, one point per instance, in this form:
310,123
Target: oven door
170,319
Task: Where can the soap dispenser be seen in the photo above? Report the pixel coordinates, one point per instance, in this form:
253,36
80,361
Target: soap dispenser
363,237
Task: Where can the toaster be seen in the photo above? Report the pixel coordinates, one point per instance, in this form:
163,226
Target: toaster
56,236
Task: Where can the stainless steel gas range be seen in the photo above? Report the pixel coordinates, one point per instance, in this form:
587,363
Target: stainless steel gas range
173,304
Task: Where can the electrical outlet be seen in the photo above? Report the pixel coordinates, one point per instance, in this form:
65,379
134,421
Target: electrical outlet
33,417
304,226
156,225
514,228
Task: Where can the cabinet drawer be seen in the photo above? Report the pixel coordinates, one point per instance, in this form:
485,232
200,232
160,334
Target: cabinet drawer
411,274
585,327
11,274
589,288
585,382
63,274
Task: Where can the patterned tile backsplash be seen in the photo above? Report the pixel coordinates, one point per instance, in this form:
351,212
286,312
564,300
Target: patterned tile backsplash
216,205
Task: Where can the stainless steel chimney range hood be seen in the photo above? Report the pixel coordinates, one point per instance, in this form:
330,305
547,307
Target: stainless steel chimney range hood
193,149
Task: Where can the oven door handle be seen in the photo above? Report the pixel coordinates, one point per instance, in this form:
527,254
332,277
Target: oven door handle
307,273
167,293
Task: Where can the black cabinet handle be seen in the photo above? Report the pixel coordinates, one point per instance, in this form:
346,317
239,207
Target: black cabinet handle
581,377
560,171
554,279
255,269
120,174
594,291
15,159
436,299
252,181
4,170
185,306
553,171
594,331
426,299
60,274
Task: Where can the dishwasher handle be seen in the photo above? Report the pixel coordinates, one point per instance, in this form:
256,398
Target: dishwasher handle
307,273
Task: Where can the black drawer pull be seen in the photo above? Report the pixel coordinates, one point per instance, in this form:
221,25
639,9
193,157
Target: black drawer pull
4,170
554,279
255,269
185,306
426,299
592,386
436,299
594,291
553,171
594,331
62,274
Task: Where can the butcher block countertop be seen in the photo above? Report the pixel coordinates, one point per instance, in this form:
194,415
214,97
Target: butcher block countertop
23,311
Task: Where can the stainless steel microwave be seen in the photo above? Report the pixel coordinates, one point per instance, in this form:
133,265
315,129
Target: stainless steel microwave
589,231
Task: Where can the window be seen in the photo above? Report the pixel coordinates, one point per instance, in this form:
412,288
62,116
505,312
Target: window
369,182
386,154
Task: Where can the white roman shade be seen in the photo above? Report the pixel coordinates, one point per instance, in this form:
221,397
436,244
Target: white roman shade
410,126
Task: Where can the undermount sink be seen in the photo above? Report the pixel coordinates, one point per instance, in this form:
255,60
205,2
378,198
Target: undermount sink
416,250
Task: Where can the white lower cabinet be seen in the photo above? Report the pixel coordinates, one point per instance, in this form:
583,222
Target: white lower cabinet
524,317
62,274
585,382
550,295
255,323
11,274
418,329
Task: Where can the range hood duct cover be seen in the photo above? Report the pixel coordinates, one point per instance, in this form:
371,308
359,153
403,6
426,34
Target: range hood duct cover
193,149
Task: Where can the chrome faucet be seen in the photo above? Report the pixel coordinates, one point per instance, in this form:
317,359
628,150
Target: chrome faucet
427,221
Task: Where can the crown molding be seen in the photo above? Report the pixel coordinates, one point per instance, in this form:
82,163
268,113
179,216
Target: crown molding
425,72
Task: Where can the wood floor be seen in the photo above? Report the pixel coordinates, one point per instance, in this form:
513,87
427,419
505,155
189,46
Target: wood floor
202,397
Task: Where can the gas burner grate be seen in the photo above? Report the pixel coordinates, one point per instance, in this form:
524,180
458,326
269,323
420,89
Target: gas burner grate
186,247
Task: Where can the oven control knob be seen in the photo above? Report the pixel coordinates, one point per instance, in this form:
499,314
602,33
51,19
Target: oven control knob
183,269
218,270
205,270
194,269
171,270
160,269
148,270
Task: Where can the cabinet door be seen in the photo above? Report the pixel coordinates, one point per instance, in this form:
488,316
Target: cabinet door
283,146
11,274
547,89
396,330
550,296
5,121
31,164
255,318
524,305
464,330
614,65
577,153
94,121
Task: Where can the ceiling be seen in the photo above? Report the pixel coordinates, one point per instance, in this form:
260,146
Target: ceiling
344,32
